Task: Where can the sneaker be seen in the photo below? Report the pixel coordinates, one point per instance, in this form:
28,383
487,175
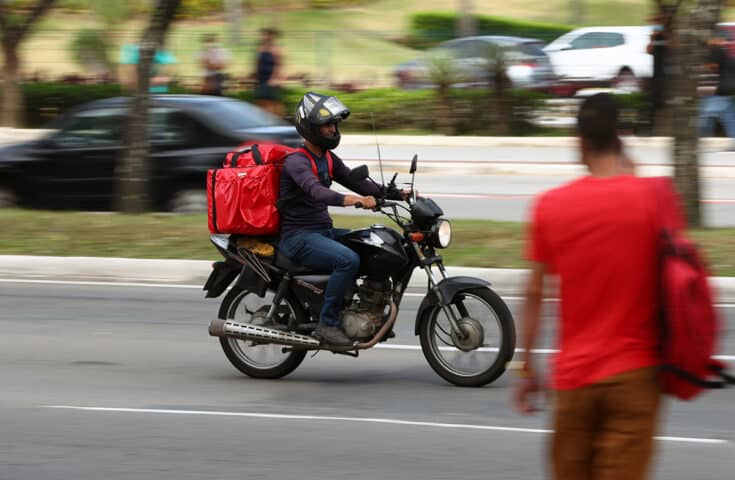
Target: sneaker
330,335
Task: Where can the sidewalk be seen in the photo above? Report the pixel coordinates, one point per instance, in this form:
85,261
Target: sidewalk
508,282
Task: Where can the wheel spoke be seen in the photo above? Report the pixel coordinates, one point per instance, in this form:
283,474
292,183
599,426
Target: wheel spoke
479,319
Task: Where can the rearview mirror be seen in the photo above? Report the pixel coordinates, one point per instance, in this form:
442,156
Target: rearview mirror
359,173
414,162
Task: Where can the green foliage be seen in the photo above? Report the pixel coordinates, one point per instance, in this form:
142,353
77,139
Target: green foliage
430,28
441,69
111,11
199,8
45,101
389,109
90,48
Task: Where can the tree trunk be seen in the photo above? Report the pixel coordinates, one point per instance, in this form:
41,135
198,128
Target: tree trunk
466,22
134,166
15,23
12,96
576,11
689,53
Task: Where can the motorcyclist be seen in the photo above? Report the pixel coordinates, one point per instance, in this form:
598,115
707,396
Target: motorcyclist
308,236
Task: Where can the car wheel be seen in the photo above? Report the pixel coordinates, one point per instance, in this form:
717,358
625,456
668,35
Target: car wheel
189,201
626,81
8,198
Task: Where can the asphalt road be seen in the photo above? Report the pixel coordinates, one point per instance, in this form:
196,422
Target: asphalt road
506,197
159,400
499,183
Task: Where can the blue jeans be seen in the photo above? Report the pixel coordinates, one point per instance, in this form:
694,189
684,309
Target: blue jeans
716,107
320,250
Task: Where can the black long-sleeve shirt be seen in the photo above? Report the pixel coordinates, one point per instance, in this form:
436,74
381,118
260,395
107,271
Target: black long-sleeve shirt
308,211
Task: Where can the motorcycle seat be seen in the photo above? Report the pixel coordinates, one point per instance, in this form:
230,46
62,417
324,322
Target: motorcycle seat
282,262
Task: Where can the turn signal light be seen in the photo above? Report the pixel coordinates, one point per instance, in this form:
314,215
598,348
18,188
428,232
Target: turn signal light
417,236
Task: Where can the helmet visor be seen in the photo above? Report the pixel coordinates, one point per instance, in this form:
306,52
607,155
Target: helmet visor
332,110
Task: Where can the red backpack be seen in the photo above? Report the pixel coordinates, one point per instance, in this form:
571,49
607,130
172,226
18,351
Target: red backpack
242,197
690,326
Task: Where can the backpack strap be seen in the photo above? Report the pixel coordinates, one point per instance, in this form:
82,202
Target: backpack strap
314,168
233,158
281,202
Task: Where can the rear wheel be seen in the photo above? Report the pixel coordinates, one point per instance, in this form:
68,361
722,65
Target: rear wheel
487,345
626,81
8,198
259,360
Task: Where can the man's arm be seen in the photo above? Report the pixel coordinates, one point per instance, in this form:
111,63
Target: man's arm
528,384
342,174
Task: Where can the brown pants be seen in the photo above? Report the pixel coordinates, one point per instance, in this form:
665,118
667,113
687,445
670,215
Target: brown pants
605,431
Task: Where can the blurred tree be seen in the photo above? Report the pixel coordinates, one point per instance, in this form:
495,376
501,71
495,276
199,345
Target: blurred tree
443,74
133,169
498,83
91,47
91,50
694,23
16,21
466,21
576,12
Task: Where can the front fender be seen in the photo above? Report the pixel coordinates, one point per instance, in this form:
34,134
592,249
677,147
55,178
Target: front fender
449,288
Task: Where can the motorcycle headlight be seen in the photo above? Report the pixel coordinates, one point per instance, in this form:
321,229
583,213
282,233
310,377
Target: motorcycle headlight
441,233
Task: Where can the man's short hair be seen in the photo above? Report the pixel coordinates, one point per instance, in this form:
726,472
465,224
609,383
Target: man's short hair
597,123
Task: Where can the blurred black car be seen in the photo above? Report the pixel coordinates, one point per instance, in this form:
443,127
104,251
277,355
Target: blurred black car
74,167
527,64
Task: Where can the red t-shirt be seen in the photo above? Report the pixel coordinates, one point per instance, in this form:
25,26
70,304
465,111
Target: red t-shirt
599,236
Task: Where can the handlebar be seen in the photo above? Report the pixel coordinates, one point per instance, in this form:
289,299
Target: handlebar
379,203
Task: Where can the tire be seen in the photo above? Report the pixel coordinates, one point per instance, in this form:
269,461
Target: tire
497,356
626,81
189,200
8,198
238,351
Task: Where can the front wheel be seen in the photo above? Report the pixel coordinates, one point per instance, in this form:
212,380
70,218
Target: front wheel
486,346
259,360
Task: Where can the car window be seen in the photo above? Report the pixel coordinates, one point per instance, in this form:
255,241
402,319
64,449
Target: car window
233,114
90,128
171,126
467,48
597,40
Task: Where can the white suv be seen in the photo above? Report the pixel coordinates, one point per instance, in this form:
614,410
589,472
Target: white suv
610,56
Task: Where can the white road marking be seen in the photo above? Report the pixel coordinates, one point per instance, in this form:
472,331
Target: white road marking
100,284
538,351
387,421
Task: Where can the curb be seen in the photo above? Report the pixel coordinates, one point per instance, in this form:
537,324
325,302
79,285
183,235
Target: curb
508,282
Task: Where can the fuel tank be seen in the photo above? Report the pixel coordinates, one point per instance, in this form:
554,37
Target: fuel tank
380,249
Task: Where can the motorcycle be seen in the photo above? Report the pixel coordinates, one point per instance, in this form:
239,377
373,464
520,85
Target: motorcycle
466,330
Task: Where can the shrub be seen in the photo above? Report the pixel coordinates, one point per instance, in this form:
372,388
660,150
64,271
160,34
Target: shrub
387,108
430,28
45,101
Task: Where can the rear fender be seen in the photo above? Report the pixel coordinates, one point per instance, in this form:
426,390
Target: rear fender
449,288
223,273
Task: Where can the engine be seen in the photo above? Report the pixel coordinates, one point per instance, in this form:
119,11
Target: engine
365,315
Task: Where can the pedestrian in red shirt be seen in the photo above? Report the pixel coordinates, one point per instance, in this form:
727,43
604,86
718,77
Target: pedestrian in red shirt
597,235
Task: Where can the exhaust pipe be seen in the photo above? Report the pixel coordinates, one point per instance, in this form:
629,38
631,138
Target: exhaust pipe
256,333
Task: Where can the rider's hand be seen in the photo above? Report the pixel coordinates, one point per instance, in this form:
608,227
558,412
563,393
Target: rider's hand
365,202
368,202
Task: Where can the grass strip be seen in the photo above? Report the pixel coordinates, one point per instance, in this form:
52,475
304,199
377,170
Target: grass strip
476,243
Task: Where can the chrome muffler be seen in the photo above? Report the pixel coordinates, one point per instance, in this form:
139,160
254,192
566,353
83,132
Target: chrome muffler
256,333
